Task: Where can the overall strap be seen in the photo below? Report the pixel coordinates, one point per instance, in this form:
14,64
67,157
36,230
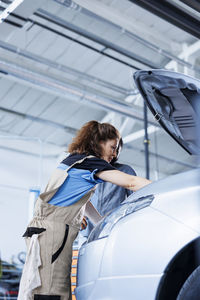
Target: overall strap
79,162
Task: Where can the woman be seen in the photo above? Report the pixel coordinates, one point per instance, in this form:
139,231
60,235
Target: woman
59,210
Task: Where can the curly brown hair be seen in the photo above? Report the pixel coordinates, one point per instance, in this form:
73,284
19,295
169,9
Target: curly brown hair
89,136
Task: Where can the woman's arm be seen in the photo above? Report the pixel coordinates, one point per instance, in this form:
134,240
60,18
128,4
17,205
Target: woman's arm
131,182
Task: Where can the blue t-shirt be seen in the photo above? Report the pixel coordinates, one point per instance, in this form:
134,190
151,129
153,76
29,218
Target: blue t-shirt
81,178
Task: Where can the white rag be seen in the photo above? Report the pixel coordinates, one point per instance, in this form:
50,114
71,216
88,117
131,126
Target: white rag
30,276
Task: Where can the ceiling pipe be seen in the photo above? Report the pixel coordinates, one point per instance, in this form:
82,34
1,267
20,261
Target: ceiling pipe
137,38
193,4
92,78
105,43
12,5
101,52
64,89
75,40
172,14
65,69
68,129
57,125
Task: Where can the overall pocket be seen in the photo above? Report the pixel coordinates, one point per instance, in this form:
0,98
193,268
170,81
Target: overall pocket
57,253
33,230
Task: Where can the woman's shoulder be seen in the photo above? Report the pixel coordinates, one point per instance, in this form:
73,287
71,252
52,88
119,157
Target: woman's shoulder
97,163
72,158
90,162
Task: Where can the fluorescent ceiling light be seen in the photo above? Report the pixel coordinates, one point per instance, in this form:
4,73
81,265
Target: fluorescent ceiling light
5,13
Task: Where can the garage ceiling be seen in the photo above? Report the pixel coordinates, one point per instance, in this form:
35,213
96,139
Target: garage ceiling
63,63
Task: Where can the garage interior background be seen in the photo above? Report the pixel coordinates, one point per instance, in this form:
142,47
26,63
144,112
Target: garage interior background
63,63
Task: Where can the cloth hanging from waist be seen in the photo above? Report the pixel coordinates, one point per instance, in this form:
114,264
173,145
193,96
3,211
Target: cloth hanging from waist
30,276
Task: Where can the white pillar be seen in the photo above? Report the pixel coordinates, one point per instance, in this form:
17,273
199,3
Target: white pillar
33,195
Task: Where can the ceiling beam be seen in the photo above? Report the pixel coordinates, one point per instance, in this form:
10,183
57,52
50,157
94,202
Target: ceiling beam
97,39
10,7
107,16
186,53
64,89
172,14
132,35
75,40
193,4
110,14
108,117
68,129
190,49
66,69
123,125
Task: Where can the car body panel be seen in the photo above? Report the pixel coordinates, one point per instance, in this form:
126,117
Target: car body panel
174,195
134,258
118,288
124,243
137,249
93,266
118,270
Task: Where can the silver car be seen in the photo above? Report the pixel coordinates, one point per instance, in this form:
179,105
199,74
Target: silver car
149,247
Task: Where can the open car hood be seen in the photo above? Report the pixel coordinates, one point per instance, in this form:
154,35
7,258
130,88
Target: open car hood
174,100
